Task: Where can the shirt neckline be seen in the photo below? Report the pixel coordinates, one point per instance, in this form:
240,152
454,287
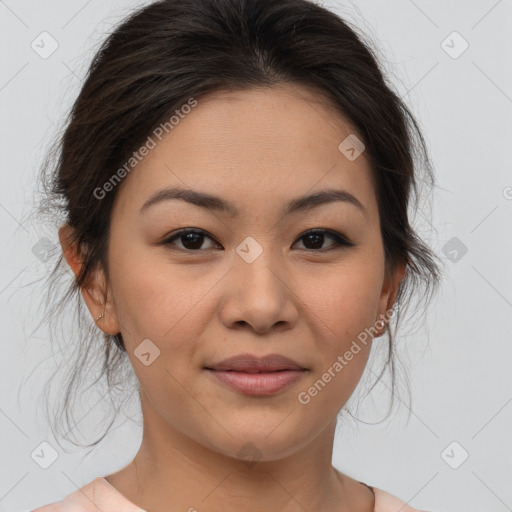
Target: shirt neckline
121,496
128,502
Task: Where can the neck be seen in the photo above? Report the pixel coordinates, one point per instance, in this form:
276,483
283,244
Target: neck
171,472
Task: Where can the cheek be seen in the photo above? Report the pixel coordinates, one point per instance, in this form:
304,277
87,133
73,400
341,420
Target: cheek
342,303
342,307
156,300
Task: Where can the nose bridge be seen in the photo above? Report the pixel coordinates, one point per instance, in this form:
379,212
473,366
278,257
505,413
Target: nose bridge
259,294
258,266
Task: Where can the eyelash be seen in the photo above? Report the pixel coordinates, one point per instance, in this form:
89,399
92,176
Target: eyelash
340,240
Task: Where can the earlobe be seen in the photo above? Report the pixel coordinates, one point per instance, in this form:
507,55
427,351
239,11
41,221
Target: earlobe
100,304
388,297
95,294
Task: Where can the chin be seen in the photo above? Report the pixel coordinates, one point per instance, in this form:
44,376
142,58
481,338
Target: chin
263,442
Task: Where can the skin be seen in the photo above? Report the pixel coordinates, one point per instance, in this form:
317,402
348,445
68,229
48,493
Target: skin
259,149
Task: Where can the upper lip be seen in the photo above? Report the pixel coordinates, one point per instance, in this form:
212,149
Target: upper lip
252,364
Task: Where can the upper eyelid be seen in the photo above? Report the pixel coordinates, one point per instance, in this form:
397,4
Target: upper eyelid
328,232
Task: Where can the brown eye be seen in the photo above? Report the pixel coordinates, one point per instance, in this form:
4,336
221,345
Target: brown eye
314,240
190,239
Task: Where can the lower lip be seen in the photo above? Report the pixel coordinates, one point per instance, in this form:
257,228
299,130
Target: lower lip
261,384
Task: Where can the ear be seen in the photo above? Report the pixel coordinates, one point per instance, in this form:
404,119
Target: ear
388,297
95,293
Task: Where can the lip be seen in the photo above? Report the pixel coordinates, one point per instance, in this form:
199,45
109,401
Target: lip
257,384
257,376
252,364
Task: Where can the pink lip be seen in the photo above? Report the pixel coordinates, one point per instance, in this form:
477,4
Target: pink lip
252,364
254,375
264,383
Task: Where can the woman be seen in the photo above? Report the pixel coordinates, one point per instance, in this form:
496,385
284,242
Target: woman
236,178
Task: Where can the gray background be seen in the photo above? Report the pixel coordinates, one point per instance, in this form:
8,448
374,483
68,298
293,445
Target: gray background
458,361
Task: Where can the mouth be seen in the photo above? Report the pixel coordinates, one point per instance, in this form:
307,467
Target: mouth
253,364
251,375
257,383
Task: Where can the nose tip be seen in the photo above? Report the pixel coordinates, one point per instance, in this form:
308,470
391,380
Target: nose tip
258,296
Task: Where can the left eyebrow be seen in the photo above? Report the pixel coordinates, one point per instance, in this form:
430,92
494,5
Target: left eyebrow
212,202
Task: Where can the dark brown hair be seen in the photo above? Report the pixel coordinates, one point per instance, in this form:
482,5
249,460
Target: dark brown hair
172,50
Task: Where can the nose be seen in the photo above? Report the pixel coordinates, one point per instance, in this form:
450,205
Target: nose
259,296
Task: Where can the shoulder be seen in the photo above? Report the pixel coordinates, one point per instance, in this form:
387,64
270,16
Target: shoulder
52,507
385,502
96,495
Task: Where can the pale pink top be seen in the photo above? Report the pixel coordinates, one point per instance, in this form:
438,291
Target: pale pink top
100,496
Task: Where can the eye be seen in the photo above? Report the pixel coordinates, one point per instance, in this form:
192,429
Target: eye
191,239
316,238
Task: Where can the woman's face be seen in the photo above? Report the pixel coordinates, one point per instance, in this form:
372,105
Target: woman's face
254,283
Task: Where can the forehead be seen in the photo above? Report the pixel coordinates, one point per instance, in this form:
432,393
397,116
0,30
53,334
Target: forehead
256,147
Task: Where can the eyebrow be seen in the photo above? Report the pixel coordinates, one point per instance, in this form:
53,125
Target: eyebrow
211,202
